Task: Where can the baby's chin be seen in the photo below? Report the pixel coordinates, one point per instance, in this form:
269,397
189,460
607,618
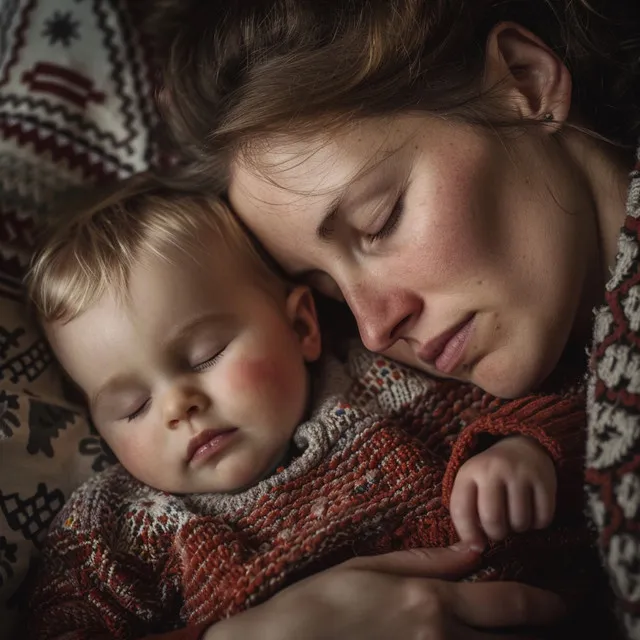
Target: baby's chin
235,476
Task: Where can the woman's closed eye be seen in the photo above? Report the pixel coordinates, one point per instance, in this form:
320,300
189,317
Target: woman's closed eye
391,222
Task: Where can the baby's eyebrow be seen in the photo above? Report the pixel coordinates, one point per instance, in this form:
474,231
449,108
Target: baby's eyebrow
113,385
182,332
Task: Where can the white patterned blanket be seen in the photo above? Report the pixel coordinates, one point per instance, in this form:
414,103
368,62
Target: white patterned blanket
75,108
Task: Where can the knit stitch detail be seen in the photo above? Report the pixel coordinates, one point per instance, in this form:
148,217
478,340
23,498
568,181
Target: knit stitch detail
554,422
127,560
613,445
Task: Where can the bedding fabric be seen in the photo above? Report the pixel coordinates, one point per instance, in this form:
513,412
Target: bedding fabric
75,108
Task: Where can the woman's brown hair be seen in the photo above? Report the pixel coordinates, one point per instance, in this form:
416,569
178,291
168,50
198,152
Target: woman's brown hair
234,71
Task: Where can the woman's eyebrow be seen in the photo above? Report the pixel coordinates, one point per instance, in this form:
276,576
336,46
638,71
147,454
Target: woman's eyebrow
326,227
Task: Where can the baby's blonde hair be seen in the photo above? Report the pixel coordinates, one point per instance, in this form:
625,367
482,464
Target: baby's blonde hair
91,249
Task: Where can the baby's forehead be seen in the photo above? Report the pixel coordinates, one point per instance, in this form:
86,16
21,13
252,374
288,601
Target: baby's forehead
82,343
163,288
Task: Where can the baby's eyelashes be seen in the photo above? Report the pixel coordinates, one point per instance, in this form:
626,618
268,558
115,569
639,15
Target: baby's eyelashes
206,363
136,413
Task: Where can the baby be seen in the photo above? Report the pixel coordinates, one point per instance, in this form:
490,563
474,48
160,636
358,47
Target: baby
195,359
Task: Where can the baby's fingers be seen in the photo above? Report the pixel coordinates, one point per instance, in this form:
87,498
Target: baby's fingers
464,513
545,504
521,507
492,509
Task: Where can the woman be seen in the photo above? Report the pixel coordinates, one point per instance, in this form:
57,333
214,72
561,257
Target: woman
457,172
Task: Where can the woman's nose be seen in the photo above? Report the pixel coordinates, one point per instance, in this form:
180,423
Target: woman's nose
183,404
384,318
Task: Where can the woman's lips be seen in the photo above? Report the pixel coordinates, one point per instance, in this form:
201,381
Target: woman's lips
208,443
447,350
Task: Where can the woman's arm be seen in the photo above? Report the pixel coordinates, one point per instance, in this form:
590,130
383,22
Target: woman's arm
398,595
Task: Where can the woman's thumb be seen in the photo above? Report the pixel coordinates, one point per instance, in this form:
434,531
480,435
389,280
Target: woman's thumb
444,563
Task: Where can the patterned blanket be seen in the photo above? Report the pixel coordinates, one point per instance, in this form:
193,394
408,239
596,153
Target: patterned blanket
75,108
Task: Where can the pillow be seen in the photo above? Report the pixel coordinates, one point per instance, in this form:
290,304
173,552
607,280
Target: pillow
75,108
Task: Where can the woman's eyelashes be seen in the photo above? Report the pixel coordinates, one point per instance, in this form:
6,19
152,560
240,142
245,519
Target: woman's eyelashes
391,222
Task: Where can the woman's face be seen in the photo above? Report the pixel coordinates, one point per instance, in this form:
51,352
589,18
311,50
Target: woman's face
457,251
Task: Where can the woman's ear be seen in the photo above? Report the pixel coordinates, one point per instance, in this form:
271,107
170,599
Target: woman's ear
531,77
301,310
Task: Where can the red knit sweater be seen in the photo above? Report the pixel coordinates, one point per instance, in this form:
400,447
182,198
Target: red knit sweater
374,473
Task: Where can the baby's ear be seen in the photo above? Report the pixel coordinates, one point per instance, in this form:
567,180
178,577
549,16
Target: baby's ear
301,310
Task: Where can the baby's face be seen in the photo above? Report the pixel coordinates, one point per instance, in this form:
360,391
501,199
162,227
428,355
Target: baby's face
198,380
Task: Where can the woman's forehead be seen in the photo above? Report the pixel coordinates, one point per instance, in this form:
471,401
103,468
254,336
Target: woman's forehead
287,171
285,209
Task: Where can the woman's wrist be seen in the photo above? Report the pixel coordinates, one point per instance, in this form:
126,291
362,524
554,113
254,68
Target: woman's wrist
244,626
224,631
217,631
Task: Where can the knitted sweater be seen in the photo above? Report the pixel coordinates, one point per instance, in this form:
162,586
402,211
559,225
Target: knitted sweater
374,471
613,447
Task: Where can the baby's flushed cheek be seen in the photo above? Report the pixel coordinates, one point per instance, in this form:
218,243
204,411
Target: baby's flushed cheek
266,382
255,373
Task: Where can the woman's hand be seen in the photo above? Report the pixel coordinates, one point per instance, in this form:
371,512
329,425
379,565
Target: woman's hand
404,595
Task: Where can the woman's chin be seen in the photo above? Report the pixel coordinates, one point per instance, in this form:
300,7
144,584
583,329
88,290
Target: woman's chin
506,374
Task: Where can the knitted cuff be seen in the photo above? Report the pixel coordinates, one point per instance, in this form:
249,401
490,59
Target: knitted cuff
557,423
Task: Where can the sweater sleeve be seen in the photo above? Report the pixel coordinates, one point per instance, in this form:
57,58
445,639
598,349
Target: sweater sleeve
557,423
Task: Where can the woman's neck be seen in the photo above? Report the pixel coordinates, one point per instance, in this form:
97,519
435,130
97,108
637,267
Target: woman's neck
606,170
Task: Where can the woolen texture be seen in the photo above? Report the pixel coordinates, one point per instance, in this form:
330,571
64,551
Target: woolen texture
613,448
373,473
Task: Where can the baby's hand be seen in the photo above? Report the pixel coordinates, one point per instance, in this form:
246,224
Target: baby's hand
510,487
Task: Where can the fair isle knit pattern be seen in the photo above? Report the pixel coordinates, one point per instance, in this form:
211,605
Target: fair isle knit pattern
374,472
613,446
